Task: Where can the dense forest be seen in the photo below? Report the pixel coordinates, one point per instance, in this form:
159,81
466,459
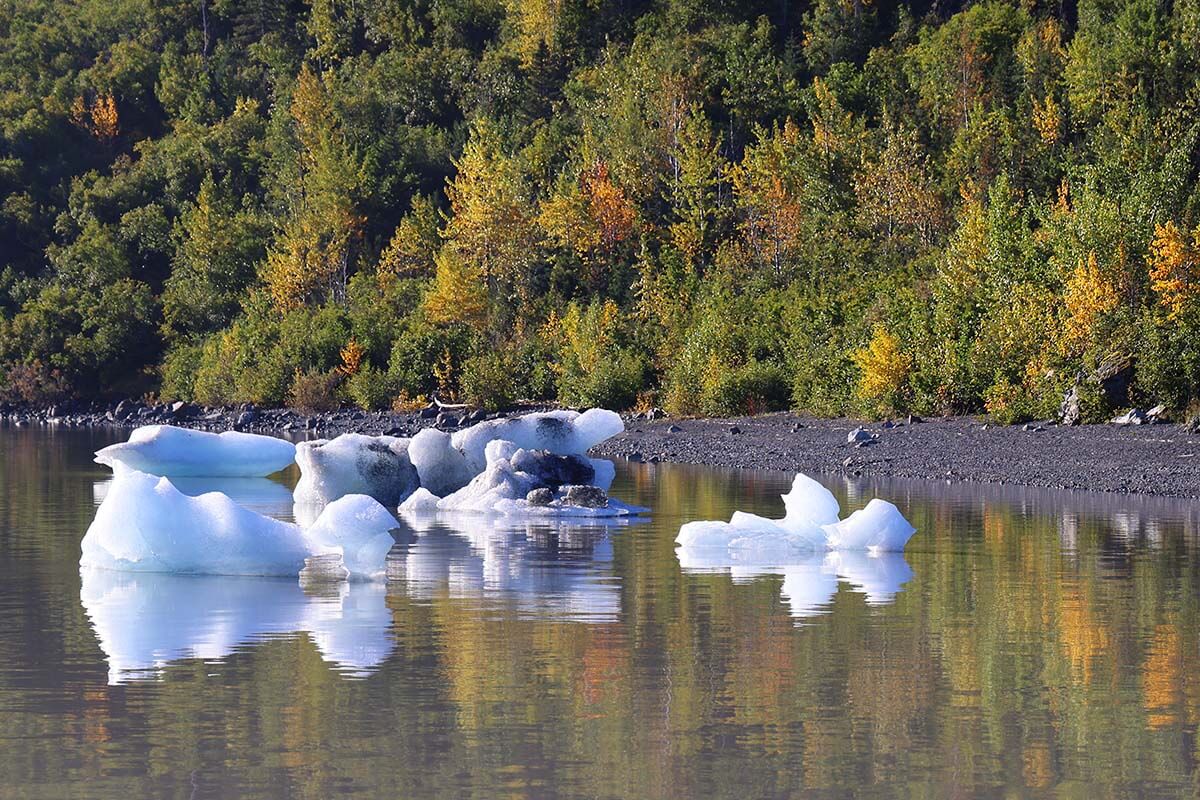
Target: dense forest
836,206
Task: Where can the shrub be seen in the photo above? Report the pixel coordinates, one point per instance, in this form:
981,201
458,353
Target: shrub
34,383
315,391
370,389
489,379
884,368
179,370
754,388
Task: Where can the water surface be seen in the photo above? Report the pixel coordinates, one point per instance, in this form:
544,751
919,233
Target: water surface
1028,644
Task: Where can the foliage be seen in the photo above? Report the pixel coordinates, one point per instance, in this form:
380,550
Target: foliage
314,391
591,202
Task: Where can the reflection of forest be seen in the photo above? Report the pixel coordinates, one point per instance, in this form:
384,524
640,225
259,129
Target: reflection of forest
1047,644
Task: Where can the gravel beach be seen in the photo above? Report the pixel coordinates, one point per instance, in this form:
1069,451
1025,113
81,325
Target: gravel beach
1160,459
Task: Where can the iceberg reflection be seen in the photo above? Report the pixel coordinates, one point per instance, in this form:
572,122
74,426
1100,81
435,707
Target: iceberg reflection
809,581
144,621
550,567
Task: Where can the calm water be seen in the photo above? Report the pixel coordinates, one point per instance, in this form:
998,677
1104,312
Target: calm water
1044,645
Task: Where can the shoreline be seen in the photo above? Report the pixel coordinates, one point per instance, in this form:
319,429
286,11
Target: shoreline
1154,460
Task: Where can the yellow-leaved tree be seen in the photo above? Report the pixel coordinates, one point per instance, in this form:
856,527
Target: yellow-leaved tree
1174,263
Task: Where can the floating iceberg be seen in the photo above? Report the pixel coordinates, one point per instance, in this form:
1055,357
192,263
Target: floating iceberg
810,524
144,621
441,467
559,432
264,495
355,464
176,452
145,524
516,481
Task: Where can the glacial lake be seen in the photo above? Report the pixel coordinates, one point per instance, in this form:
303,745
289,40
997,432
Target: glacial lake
1028,644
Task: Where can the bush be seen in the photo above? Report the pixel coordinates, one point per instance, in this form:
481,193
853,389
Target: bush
370,389
754,388
315,391
490,379
884,368
35,384
179,370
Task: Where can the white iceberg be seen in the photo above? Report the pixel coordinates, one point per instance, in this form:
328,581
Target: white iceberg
441,468
264,495
176,452
377,466
145,524
559,432
809,525
512,473
144,621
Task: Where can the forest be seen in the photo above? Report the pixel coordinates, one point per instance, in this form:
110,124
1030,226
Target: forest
837,206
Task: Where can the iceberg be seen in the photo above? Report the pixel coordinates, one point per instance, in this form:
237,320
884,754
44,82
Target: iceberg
516,481
559,432
145,524
145,621
176,452
378,467
264,495
442,468
810,524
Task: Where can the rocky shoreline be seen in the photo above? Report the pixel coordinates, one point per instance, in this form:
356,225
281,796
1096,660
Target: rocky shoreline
1151,459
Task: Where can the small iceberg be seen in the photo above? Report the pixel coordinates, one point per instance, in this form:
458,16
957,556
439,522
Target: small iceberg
377,466
810,524
146,621
535,483
264,495
176,452
145,524
559,432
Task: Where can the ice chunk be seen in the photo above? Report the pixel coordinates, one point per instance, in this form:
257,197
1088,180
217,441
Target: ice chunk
605,473
355,464
176,452
441,468
809,503
421,501
510,475
144,621
264,495
560,432
880,527
361,528
145,524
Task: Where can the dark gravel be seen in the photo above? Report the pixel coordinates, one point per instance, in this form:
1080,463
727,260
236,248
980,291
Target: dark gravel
1159,459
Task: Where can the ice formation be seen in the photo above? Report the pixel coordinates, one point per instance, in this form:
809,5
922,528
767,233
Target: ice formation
441,468
145,621
176,452
810,580
355,464
145,524
264,495
559,432
810,524
511,476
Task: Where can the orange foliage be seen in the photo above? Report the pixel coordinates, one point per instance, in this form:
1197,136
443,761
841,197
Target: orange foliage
1174,263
